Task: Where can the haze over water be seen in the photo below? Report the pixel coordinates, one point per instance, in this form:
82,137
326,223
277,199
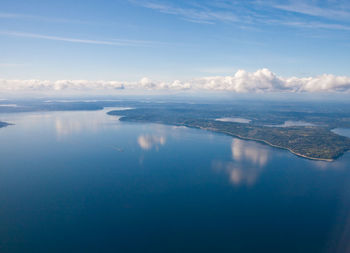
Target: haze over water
86,181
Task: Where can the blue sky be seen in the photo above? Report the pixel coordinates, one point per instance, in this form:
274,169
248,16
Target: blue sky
170,40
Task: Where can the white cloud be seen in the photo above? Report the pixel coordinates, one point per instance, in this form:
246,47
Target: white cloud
112,42
315,25
200,14
331,11
46,85
263,80
236,12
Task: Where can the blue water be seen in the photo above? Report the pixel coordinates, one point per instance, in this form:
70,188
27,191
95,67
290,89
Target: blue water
86,182
342,131
292,123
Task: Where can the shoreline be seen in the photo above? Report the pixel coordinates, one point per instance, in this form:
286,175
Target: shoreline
248,138
270,144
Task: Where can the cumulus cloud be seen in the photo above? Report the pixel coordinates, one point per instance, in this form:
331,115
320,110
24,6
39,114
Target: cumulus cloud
46,85
262,80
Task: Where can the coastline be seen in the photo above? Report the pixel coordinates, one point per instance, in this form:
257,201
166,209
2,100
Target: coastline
270,144
247,138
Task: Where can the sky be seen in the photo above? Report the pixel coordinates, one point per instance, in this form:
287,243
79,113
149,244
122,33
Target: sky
235,46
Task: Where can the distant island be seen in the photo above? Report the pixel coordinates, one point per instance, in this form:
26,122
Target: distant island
3,124
310,141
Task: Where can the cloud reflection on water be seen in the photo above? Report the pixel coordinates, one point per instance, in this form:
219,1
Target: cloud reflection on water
147,142
88,121
248,161
249,151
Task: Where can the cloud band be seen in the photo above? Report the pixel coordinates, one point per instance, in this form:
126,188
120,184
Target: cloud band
263,80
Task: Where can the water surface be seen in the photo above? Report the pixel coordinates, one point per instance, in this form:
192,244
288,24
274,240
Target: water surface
342,131
236,120
292,123
85,182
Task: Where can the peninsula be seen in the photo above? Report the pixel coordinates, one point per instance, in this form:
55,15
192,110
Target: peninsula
311,141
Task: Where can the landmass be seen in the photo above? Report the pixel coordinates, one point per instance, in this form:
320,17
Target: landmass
266,121
3,124
315,141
